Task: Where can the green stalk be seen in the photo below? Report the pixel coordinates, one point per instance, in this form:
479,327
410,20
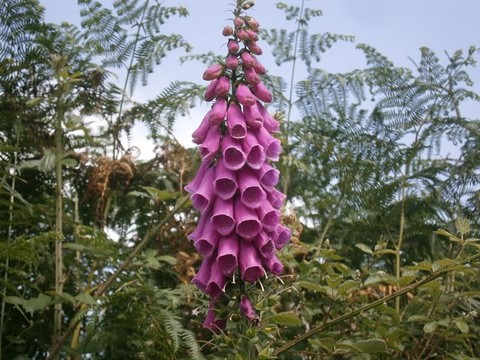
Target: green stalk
9,236
372,305
286,175
59,280
401,230
127,77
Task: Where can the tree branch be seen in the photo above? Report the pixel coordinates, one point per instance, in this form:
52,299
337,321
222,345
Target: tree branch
372,305
103,287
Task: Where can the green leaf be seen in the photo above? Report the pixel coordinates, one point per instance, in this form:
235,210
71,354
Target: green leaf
444,233
462,326
85,298
33,304
371,346
418,318
422,265
462,226
327,344
63,297
314,287
430,327
69,162
284,319
347,286
364,248
47,162
381,277
167,259
444,264
159,195
406,280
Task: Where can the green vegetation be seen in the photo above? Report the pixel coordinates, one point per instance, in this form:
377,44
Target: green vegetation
94,259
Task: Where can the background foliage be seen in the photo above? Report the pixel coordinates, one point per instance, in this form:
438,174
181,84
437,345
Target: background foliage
376,205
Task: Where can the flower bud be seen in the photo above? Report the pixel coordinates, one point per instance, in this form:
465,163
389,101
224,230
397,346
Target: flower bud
239,22
247,308
233,46
227,31
242,35
252,35
213,72
244,95
259,68
223,86
248,60
254,48
218,112
210,92
231,62
252,23
262,92
251,76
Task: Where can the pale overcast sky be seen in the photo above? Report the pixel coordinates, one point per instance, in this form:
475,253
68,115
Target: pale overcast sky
397,28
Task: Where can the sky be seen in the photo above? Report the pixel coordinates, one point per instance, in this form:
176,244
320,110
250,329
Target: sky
396,28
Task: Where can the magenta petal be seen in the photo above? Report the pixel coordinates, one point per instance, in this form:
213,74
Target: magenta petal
251,76
201,132
264,244
247,308
272,146
254,48
227,258
208,241
233,156
248,225
244,95
251,193
203,274
218,112
204,195
222,217
197,180
216,282
269,216
211,322
256,156
213,72
225,184
236,124
276,198
268,176
281,236
250,264
248,60
272,264
210,92
252,35
259,68
269,122
252,116
223,86
232,46
231,62
262,92
211,144
195,234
